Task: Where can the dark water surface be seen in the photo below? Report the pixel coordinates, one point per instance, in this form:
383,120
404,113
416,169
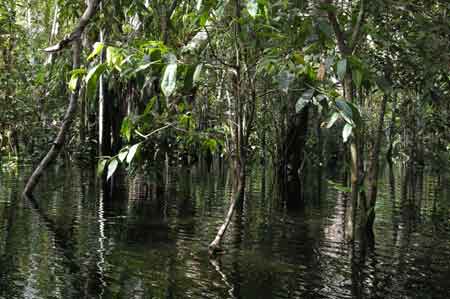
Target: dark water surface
73,243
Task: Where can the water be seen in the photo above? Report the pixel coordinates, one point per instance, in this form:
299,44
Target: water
73,243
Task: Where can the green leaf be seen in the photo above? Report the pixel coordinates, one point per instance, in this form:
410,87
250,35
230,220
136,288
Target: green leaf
332,120
150,105
132,152
101,166
345,110
358,77
74,78
346,132
341,69
126,128
92,79
252,8
112,166
169,80
98,47
143,67
114,57
197,74
123,154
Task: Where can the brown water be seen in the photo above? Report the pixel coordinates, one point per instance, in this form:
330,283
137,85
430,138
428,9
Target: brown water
74,243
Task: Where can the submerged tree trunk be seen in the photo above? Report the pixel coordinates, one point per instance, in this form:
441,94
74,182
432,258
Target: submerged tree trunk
355,167
214,246
292,159
59,141
240,135
373,170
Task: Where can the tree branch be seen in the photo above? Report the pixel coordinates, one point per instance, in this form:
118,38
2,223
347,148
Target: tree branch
82,23
336,27
358,26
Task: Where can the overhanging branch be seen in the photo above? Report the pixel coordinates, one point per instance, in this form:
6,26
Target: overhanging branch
76,34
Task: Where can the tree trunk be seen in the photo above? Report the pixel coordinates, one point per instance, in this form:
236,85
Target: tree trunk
104,126
292,159
350,213
59,141
214,246
373,170
82,116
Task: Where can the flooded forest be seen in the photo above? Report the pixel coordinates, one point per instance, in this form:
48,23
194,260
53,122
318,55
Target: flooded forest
224,149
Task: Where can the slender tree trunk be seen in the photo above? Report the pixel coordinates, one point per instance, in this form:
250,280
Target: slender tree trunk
214,246
240,136
292,159
82,116
67,121
104,126
373,170
355,174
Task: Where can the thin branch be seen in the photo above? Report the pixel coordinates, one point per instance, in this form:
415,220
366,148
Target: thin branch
153,132
76,34
358,26
336,27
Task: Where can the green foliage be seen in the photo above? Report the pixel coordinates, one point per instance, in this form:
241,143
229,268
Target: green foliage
169,80
92,77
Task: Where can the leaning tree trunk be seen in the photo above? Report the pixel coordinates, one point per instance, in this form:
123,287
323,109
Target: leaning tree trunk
214,246
59,141
75,39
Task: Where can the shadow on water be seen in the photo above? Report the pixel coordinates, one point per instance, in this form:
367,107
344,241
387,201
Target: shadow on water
131,241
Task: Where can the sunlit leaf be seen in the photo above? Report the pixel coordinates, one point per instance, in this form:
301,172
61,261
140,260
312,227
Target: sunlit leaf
252,7
98,47
169,80
198,6
132,152
346,132
74,78
114,57
122,155
112,167
197,74
333,120
92,78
